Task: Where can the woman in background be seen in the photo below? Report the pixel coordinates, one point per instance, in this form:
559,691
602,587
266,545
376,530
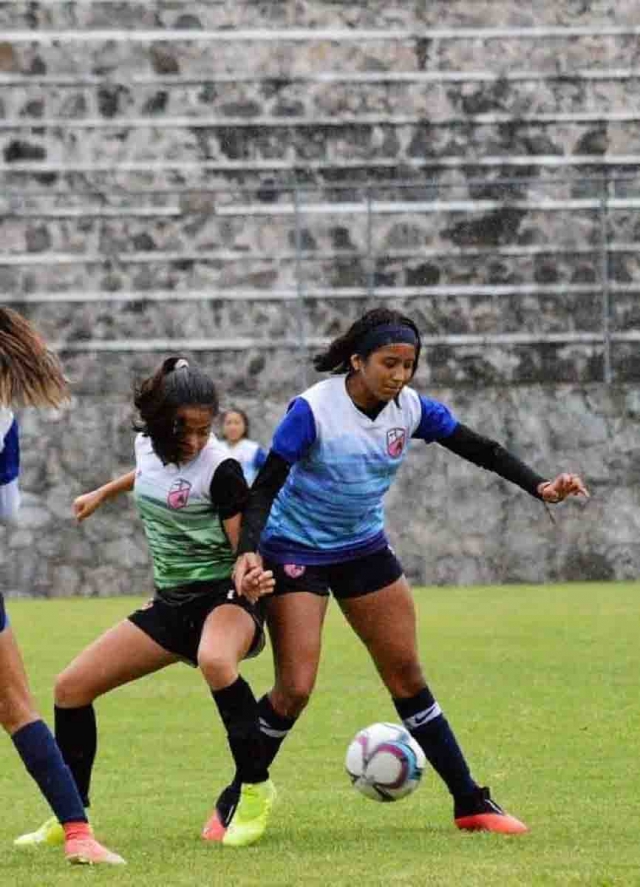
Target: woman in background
235,435
30,375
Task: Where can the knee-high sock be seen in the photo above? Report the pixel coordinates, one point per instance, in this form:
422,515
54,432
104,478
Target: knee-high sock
77,736
274,728
423,718
239,712
42,758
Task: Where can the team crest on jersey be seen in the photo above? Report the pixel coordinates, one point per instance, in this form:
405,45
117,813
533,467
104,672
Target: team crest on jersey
395,441
294,571
179,493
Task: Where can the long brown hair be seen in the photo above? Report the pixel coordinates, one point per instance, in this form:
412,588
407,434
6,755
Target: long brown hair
174,384
30,374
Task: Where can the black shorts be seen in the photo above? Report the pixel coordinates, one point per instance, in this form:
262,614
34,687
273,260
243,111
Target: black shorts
346,580
178,626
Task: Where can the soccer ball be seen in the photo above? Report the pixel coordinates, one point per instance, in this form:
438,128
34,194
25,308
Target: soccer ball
385,762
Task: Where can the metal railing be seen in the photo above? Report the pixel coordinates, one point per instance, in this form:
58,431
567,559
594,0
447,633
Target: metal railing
298,206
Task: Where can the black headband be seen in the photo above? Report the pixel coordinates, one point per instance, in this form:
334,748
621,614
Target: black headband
386,334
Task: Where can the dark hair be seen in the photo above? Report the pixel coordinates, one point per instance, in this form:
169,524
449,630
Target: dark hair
337,357
174,384
242,415
30,374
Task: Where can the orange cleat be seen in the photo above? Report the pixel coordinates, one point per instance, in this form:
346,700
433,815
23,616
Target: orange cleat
214,829
479,813
81,848
216,826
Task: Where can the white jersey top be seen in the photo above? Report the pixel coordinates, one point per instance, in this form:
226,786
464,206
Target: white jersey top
330,508
185,535
249,454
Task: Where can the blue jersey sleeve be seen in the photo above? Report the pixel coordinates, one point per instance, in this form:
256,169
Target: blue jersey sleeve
10,455
436,422
296,432
259,459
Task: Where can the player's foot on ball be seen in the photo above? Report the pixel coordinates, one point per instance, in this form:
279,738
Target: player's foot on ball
50,833
249,820
216,825
83,849
477,812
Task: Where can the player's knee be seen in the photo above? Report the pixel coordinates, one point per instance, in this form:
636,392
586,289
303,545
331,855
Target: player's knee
16,711
404,677
218,670
291,699
69,691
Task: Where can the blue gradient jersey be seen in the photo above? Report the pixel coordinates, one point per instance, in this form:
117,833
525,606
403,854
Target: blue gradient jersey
9,471
9,465
330,508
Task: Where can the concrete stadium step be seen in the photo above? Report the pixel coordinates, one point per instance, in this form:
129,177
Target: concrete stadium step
321,13
206,52
443,94
331,141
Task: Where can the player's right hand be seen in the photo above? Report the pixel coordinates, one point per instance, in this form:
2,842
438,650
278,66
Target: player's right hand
85,505
247,574
256,583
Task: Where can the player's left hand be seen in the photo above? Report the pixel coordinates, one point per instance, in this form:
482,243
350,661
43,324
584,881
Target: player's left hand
561,487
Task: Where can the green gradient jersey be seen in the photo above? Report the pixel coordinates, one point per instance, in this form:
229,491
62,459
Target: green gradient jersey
183,528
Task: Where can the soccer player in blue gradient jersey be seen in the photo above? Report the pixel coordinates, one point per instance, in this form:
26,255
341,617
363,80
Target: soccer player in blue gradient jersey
31,375
315,518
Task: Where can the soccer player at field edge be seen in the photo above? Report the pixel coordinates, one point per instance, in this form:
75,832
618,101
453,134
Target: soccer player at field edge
315,519
190,497
235,437
30,375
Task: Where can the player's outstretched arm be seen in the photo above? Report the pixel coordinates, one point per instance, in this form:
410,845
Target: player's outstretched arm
85,505
492,456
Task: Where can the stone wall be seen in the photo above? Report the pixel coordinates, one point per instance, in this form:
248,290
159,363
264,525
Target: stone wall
114,156
451,522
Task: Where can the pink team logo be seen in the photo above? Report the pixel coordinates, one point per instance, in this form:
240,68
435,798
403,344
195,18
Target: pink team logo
395,441
294,571
179,493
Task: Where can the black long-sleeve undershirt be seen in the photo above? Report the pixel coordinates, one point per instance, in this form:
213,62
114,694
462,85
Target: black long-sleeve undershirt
464,442
494,457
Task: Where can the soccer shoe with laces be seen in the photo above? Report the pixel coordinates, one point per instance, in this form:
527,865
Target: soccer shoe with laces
477,812
249,820
50,833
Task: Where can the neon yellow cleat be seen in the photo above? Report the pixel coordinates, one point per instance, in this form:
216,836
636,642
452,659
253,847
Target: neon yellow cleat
249,821
50,833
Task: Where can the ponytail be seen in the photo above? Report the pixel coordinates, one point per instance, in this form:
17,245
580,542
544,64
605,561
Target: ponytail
157,399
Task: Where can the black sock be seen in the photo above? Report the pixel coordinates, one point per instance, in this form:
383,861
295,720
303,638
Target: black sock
274,728
423,718
41,756
239,712
77,737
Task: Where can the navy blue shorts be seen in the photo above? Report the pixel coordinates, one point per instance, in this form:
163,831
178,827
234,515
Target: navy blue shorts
4,619
348,579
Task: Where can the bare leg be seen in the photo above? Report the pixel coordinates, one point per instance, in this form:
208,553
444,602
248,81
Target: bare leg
295,626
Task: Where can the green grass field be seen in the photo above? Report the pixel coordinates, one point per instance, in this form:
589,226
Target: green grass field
541,684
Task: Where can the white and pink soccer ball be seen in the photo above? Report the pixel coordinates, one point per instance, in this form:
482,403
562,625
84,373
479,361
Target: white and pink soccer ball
385,762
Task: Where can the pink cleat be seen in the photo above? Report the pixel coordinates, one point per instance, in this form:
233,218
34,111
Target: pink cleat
85,850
